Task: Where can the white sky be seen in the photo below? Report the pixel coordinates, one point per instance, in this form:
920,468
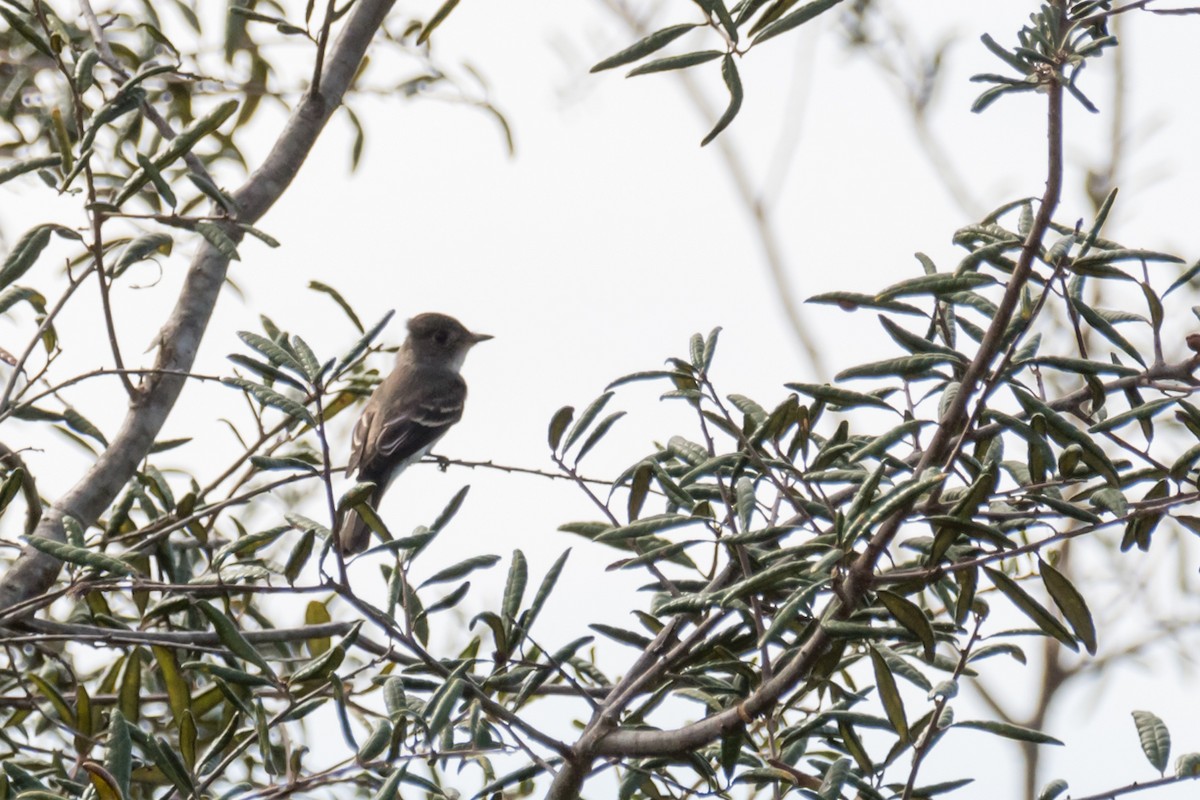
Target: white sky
611,237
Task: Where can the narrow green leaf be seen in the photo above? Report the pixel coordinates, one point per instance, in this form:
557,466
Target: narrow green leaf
514,587
336,296
676,62
437,19
232,638
24,253
81,556
836,396
729,73
597,434
644,47
1030,607
1071,603
540,597
910,615
936,285
795,19
1144,411
908,367
889,695
586,419
1009,731
19,168
120,751
361,345
270,397
644,527
464,567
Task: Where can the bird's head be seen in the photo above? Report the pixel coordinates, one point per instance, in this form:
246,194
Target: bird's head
439,338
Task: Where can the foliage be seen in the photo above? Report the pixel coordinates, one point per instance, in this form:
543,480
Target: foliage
811,559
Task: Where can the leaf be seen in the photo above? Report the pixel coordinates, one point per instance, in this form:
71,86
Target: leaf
1071,603
835,776
1052,789
120,751
558,425
1155,739
361,345
889,695
18,168
437,19
141,249
795,19
936,285
316,613
585,420
389,789
910,615
232,638
1030,607
908,367
852,301
270,397
836,396
219,239
734,83
676,62
644,527
81,556
1064,432
1144,411
540,597
1105,329
597,434
1008,58
464,567
179,696
103,781
644,47
514,587
24,253
1009,731
27,32
336,296
375,743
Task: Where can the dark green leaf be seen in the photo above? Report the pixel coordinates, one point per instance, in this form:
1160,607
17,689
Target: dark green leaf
1030,607
336,296
795,19
734,83
644,47
438,18
1009,731
676,62
1071,603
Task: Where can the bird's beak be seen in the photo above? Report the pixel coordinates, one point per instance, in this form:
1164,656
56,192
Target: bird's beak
476,338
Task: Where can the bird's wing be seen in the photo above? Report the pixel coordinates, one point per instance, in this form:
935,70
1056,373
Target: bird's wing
358,442
409,421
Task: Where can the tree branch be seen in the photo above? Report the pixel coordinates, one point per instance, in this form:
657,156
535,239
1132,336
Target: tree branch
179,338
854,588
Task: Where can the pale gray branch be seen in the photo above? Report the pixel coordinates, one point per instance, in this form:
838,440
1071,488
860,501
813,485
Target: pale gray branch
34,572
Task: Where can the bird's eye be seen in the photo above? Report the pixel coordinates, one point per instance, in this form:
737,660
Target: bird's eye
441,337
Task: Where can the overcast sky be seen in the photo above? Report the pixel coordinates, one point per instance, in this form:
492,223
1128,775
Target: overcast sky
611,236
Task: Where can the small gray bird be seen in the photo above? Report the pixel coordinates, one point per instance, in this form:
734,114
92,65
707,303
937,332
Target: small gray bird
408,412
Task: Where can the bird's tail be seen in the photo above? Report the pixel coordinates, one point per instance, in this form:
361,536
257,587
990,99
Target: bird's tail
353,534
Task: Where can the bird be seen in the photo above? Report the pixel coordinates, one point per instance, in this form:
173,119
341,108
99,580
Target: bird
409,411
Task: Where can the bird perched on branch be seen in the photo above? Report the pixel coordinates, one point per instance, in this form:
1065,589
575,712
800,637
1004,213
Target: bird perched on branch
408,412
